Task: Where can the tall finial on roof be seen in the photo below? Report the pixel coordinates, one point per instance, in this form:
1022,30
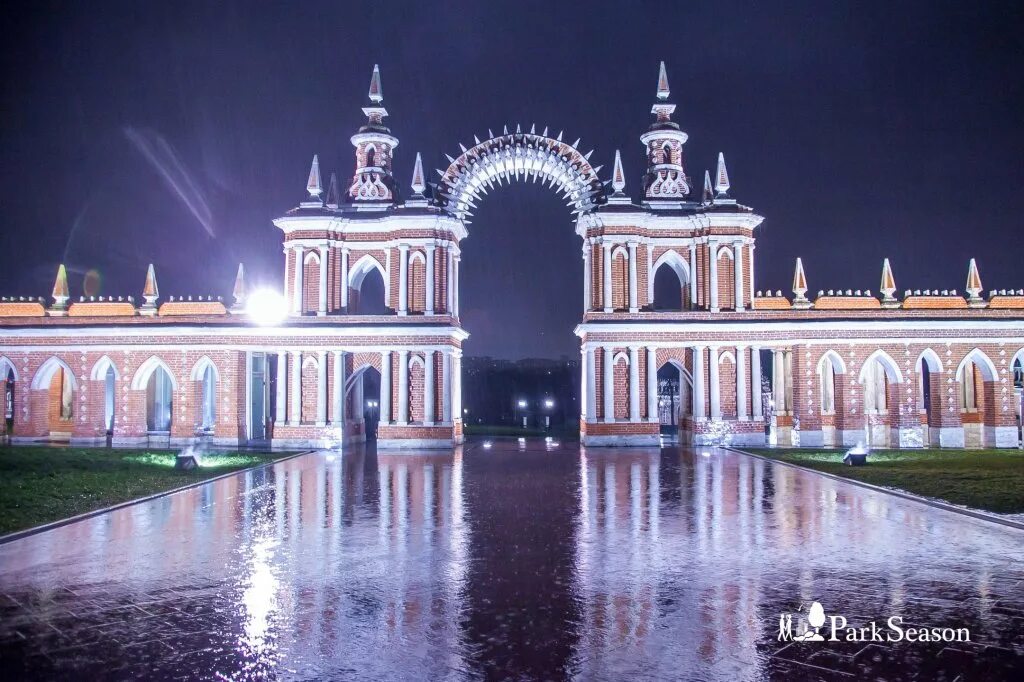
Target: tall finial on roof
722,184
333,193
709,194
800,286
663,90
418,181
618,176
240,292
973,287
60,293
376,92
313,185
888,286
150,292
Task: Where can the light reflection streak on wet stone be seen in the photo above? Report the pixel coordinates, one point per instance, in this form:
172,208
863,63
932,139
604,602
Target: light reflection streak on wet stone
526,561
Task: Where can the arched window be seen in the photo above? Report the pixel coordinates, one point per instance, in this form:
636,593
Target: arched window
371,157
671,277
209,392
367,293
159,401
108,398
666,153
828,368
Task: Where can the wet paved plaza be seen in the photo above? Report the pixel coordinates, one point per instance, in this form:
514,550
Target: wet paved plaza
515,561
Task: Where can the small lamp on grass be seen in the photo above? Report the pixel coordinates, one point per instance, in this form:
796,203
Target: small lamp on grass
187,459
857,456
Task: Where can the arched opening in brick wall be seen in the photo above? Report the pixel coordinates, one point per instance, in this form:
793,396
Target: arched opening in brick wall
205,378
726,279
363,402
675,391
929,393
417,282
8,383
367,292
310,282
831,370
671,282
977,378
54,384
879,379
104,372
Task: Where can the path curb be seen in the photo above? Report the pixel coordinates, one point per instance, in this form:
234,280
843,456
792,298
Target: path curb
889,491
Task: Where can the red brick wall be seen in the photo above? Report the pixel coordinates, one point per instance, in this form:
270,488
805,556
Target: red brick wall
726,282
417,283
621,374
311,285
416,384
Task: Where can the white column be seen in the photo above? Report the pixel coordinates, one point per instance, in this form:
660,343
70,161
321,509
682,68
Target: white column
583,385
385,387
779,381
446,387
713,262
457,386
403,279
591,395
737,266
607,276
609,385
714,384
652,384
693,276
387,276
403,387
450,288
741,382
634,384
282,388
650,274
344,279
755,382
586,275
750,296
338,397
358,404
789,381
431,284
295,404
455,284
428,387
633,307
321,389
297,284
321,308
698,382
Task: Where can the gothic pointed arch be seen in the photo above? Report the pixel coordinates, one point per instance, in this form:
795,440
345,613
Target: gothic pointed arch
835,359
7,367
145,371
45,373
519,156
984,363
889,366
202,365
361,268
102,366
930,358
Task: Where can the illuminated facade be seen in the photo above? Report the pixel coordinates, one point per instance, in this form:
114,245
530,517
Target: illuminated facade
846,367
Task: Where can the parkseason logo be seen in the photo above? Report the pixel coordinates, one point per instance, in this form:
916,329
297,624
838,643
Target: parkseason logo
814,626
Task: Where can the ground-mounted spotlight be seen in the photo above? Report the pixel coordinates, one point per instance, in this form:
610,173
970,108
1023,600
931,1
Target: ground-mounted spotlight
187,460
487,445
266,307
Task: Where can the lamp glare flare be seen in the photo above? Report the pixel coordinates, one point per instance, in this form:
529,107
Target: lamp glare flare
266,307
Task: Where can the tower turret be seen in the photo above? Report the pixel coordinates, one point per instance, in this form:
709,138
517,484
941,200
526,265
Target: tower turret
665,178
375,146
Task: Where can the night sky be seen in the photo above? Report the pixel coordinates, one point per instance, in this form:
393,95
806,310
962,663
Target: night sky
174,133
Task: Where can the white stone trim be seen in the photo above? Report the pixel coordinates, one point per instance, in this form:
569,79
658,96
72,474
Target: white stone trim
145,370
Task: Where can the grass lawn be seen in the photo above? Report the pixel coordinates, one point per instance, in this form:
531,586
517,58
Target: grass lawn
992,480
43,484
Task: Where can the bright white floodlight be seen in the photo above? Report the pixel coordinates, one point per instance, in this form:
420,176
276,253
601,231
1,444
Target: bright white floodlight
522,403
266,307
549,403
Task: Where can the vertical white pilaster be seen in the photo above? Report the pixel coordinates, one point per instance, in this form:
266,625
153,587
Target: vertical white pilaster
449,281
321,388
403,388
648,247
455,285
281,409
446,387
607,276
344,280
586,275
755,382
428,387
693,276
297,284
713,269
652,384
385,387
741,382
698,382
789,381
295,403
431,284
321,307
457,385
737,266
750,296
633,306
609,384
591,394
338,397
583,385
779,381
634,384
714,385
403,279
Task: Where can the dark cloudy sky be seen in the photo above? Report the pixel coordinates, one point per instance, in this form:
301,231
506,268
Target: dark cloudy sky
173,133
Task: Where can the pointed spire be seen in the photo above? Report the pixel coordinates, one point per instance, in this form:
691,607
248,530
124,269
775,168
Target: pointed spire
313,185
333,192
663,90
239,293
376,92
618,176
722,184
150,292
888,286
800,286
418,182
60,292
973,287
709,195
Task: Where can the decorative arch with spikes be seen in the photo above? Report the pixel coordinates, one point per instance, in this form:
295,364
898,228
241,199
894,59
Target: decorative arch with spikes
519,156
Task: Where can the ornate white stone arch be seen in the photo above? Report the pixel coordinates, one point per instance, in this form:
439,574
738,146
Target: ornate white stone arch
310,359
199,369
416,360
685,373
727,356
44,375
357,375
99,370
519,156
311,257
929,357
676,262
892,370
984,363
724,251
417,256
145,371
5,366
361,268
838,366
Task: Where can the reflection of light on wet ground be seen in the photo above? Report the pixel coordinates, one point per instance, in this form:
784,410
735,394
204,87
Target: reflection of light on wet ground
524,560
